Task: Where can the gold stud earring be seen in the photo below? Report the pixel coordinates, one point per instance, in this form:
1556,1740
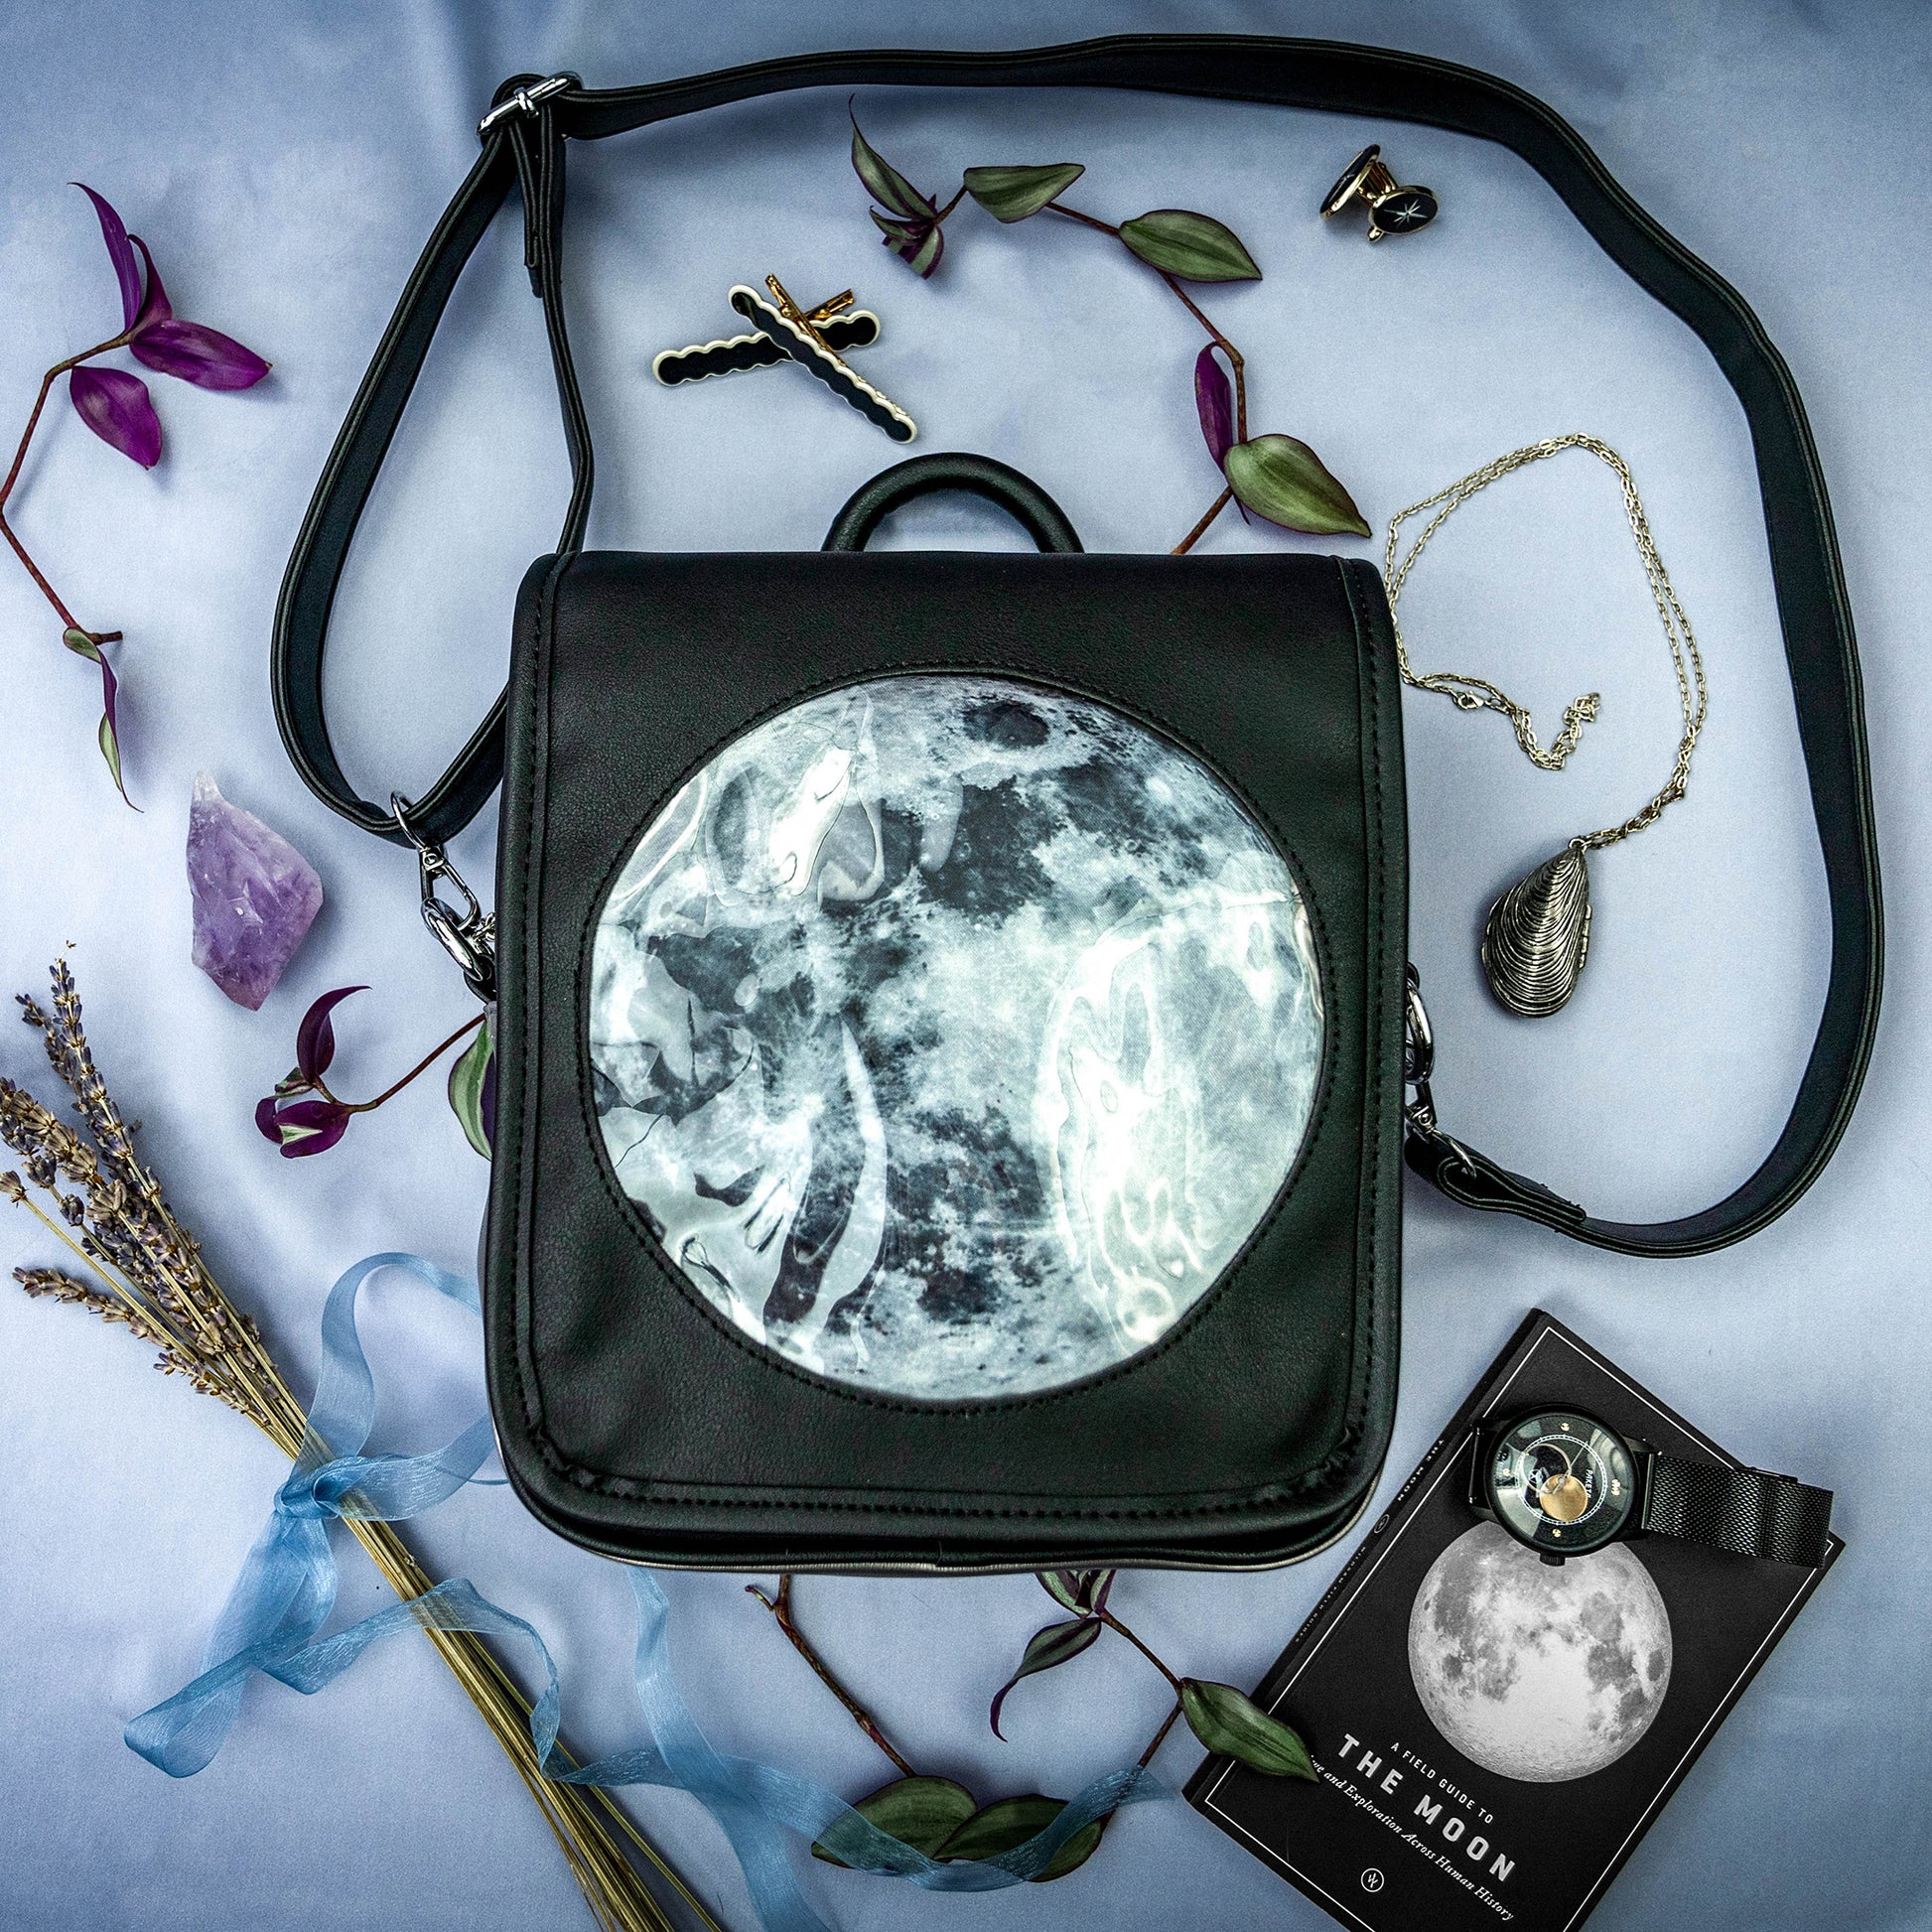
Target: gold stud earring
1393,209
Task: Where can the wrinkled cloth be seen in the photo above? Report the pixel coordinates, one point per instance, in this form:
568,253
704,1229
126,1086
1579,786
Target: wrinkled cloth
287,164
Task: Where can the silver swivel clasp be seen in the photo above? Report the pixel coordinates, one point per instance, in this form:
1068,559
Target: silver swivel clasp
467,933
1418,1056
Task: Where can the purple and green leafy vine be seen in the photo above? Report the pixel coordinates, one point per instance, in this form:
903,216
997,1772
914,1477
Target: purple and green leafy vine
116,406
1277,477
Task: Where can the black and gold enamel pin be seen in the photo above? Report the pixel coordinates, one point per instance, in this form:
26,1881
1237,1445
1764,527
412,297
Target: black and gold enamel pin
782,331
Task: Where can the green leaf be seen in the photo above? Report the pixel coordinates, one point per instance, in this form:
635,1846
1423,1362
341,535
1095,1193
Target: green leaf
1283,480
1013,194
110,750
1195,247
467,1089
926,257
1077,1589
1063,1587
884,183
1226,1721
77,642
1058,1643
1012,1821
920,1812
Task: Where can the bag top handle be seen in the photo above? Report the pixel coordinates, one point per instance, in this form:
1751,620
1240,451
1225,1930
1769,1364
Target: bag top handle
523,135
1018,495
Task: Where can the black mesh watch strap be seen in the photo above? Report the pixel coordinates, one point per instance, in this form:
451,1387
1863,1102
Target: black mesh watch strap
1746,1511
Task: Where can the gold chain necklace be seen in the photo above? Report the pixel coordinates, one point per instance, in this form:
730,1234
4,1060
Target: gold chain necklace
1537,935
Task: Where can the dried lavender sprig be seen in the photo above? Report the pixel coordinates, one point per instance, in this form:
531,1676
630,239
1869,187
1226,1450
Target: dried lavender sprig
131,1239
172,1360
132,1219
115,1229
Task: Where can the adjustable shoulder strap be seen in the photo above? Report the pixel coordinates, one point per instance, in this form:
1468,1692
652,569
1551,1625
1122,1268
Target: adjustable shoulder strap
522,143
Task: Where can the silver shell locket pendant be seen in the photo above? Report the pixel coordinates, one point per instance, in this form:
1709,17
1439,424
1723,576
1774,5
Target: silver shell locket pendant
1537,935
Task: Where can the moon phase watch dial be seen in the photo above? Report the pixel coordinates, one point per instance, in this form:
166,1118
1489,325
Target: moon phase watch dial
1558,1481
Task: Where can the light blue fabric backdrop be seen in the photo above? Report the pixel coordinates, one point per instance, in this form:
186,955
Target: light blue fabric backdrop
286,164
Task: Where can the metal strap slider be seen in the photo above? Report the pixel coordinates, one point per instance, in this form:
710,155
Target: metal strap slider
525,101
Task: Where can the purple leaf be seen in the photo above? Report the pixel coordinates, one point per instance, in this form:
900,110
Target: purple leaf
315,1039
84,644
109,734
197,355
487,1105
116,406
1214,399
308,1127
188,349
155,306
114,232
1057,1643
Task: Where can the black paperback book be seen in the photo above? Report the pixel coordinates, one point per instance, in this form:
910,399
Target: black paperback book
1458,1695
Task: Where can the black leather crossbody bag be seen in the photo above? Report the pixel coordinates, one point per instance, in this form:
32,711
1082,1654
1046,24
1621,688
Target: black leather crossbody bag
951,1011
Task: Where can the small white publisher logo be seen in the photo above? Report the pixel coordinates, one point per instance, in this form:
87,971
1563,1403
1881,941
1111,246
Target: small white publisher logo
1372,1879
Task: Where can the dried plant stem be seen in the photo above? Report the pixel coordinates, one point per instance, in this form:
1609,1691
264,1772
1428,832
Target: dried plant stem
781,1607
113,1218
13,477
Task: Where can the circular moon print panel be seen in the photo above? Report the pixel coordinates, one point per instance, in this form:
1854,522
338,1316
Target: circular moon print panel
952,1036
1534,1671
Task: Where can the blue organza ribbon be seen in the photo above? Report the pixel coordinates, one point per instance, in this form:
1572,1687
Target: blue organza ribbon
273,1620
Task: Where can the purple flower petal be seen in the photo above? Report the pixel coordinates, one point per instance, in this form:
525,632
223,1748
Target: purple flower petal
1214,399
197,355
308,1127
487,1104
116,406
265,1119
154,305
315,1039
114,232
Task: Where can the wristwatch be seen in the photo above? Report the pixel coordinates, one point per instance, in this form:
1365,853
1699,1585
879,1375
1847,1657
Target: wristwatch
1564,1485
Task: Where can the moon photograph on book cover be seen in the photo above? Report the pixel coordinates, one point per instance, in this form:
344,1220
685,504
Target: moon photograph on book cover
1536,1671
952,1036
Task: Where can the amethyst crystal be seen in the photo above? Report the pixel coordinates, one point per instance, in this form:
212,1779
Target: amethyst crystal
256,897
